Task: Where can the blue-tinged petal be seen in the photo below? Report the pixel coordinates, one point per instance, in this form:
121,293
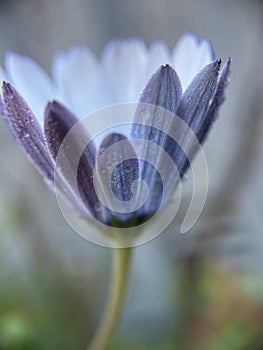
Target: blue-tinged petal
58,121
193,109
118,169
76,153
163,90
217,100
190,56
158,102
196,100
32,82
153,117
27,131
2,108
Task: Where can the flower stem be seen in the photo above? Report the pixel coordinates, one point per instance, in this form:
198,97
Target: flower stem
121,259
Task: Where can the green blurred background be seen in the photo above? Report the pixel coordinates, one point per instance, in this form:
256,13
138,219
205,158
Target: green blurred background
202,290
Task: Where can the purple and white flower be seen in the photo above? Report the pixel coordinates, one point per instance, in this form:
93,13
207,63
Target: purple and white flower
187,82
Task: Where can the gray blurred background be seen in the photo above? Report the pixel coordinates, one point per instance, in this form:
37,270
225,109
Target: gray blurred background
203,290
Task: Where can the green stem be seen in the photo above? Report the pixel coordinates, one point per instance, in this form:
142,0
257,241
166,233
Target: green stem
190,297
120,269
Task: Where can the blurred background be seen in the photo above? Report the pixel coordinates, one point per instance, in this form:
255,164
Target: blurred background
202,290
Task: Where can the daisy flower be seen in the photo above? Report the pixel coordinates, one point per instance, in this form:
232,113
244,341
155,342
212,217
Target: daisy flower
188,82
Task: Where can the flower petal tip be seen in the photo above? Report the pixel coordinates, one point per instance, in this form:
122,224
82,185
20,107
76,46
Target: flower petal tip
212,68
7,87
166,65
228,63
3,83
163,89
52,106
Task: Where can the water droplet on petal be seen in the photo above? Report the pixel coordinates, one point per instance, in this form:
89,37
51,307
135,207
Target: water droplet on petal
185,177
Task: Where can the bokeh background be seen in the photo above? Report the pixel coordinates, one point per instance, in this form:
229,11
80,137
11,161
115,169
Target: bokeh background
202,290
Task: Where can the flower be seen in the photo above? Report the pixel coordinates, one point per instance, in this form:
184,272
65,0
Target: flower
188,84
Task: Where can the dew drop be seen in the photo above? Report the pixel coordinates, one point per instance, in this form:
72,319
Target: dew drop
49,183
185,177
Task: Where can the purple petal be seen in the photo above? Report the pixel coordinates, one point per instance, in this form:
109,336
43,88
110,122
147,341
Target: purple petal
118,168
217,100
58,121
126,172
77,153
193,109
190,56
196,100
159,98
27,131
164,89
152,122
2,108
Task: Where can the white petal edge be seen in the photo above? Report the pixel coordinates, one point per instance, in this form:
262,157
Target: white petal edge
190,56
125,68
31,81
158,55
79,76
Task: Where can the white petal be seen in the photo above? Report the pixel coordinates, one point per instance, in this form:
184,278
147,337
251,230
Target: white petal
31,81
159,54
80,79
124,62
189,56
